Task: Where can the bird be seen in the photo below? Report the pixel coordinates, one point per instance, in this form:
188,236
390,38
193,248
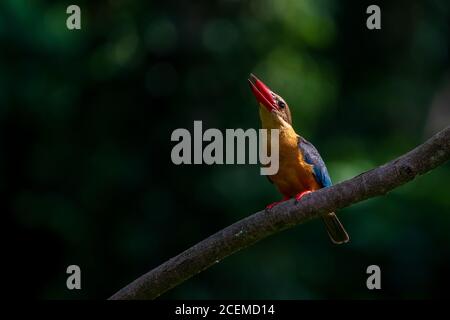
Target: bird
301,168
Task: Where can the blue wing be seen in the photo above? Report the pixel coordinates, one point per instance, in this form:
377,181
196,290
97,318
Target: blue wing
312,157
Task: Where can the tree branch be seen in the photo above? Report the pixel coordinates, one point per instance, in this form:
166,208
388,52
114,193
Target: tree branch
251,229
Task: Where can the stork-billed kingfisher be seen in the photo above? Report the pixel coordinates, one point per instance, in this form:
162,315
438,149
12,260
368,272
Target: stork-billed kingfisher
301,169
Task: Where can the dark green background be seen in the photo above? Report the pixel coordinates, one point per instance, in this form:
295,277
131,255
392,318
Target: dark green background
86,118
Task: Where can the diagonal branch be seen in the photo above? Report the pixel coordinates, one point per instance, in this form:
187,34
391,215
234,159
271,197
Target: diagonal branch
378,181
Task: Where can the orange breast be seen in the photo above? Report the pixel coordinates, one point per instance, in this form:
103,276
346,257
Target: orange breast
294,174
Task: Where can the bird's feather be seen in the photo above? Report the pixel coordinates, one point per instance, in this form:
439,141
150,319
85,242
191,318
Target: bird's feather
312,157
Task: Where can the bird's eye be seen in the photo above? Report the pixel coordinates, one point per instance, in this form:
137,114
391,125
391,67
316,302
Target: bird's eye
281,104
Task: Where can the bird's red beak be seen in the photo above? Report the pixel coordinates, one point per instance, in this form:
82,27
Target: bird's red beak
262,93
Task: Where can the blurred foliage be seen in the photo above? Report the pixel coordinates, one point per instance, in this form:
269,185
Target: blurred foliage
87,115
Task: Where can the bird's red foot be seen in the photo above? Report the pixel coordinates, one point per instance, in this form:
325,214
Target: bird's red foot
300,195
270,206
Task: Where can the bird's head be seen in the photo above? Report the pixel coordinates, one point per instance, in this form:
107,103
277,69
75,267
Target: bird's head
273,110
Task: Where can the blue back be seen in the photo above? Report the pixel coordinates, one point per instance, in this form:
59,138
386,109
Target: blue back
312,157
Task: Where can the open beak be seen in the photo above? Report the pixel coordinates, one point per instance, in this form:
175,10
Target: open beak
262,93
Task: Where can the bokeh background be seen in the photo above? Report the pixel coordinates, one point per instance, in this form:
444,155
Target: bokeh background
86,118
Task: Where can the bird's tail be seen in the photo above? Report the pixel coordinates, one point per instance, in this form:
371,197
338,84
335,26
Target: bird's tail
335,229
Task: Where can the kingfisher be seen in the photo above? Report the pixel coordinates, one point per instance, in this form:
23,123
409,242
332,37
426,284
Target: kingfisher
301,168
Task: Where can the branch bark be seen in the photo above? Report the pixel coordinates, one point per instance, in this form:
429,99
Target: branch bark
376,182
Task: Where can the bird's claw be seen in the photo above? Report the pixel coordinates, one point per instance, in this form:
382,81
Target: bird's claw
273,204
300,195
297,199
